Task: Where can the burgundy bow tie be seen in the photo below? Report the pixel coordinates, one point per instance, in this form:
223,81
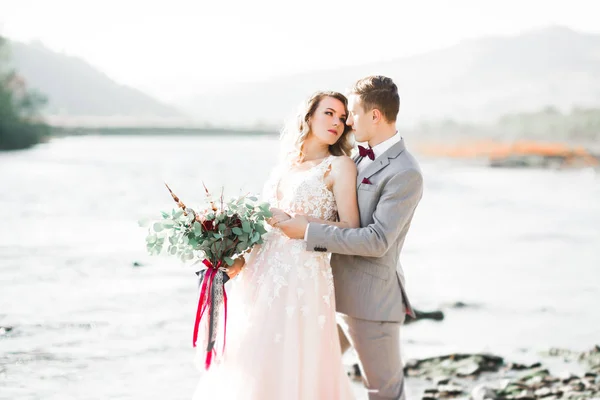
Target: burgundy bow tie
364,152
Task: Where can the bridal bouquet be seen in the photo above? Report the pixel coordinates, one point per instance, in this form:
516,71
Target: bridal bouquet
214,235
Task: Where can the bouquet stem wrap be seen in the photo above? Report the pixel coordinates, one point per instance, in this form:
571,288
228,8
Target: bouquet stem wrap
212,296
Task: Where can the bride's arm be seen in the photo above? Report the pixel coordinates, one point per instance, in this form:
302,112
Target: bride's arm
343,175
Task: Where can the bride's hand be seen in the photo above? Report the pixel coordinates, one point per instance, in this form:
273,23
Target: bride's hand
236,268
278,216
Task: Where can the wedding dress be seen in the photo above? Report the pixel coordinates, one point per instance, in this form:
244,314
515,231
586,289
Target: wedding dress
282,340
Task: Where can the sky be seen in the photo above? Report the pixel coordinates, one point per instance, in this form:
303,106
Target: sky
176,48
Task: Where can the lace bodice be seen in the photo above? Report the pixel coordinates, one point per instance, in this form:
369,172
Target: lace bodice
303,192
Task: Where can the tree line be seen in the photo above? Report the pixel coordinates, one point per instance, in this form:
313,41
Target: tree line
21,125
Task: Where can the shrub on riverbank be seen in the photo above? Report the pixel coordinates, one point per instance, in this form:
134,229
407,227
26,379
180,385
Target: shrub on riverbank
20,123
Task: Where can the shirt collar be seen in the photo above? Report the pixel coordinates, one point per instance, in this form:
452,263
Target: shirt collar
385,145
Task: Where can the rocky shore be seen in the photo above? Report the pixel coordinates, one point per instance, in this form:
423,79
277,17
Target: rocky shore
490,377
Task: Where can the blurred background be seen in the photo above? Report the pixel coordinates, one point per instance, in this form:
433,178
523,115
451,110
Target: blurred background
103,101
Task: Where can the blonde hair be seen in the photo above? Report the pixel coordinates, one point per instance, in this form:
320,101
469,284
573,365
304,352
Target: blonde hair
295,133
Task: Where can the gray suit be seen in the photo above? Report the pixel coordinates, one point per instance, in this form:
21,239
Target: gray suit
368,278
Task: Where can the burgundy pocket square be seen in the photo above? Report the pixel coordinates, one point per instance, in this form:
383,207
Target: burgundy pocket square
366,181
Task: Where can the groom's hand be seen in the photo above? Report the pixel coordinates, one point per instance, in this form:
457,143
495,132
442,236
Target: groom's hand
294,228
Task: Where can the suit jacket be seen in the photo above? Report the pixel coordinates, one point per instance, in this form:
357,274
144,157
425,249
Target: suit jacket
368,278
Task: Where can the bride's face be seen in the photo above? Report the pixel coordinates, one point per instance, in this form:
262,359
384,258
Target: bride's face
328,121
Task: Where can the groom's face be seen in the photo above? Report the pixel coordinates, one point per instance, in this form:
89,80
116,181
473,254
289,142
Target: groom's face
357,119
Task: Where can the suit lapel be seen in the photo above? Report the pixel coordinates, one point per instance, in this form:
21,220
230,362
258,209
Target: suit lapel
382,161
357,158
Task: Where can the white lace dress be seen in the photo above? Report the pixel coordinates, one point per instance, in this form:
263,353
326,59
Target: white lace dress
282,340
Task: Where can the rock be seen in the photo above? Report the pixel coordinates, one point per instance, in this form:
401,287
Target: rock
453,365
451,389
536,380
525,395
5,329
458,304
519,367
442,380
577,386
436,315
551,379
543,392
537,372
567,377
354,373
482,392
468,369
590,375
455,374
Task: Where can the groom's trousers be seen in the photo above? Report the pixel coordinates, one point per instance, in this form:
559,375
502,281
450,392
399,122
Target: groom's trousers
378,347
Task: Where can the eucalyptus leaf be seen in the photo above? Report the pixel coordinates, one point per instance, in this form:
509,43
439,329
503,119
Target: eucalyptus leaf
246,227
197,228
228,260
151,239
240,247
157,227
178,213
237,231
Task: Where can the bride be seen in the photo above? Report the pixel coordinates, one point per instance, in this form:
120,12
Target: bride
282,339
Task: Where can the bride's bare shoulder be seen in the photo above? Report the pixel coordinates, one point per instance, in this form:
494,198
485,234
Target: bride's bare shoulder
343,165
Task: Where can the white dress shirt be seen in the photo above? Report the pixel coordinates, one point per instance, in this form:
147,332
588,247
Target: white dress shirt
377,151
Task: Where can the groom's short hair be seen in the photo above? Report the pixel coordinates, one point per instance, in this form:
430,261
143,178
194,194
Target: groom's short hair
378,92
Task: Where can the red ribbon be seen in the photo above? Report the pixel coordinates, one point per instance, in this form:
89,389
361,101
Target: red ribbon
204,302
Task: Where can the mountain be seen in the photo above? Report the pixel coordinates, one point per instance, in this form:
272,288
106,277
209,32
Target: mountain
476,80
76,91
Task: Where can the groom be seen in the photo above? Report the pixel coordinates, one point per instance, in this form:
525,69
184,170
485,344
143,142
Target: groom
369,282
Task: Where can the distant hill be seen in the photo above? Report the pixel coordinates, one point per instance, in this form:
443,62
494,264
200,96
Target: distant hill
476,80
78,91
